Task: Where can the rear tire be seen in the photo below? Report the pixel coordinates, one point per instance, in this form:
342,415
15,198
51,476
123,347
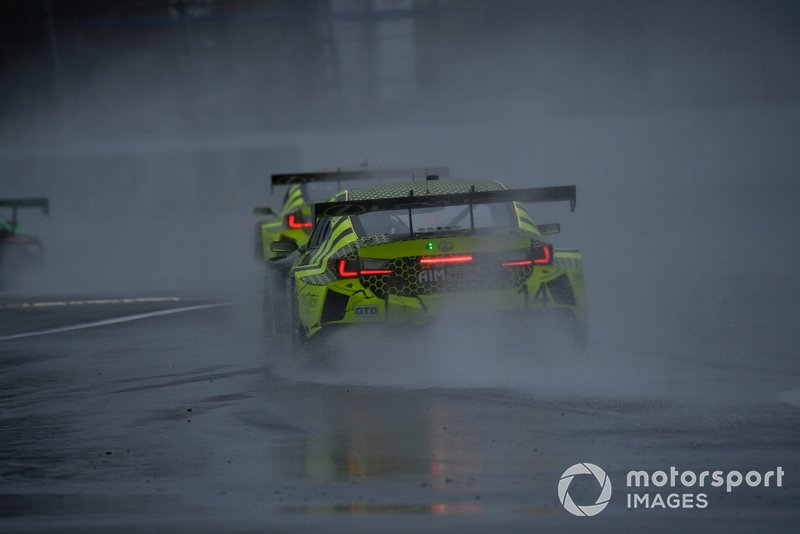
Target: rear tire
556,331
575,332
296,335
307,352
275,309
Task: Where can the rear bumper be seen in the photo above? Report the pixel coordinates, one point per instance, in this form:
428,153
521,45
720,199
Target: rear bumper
506,305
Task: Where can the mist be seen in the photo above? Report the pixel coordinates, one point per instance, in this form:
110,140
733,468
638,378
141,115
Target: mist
144,390
153,133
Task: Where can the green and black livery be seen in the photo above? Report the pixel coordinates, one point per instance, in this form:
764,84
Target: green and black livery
410,252
293,222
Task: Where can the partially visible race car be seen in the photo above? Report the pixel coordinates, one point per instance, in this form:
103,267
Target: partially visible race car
293,221
18,249
410,252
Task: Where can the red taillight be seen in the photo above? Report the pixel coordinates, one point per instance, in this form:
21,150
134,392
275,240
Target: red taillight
294,222
543,255
344,270
520,263
445,260
15,238
350,269
373,272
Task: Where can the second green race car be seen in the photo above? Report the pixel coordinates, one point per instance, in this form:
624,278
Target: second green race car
293,221
410,252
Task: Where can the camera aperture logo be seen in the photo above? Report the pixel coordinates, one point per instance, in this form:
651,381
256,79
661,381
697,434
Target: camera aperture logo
586,510
667,489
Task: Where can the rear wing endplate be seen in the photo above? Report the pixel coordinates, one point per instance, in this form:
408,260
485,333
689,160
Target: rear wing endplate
26,203
341,175
16,203
529,195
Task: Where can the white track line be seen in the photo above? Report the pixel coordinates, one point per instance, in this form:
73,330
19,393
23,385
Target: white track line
55,303
115,320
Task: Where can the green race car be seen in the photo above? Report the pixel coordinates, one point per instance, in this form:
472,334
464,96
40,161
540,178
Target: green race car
407,253
18,249
293,221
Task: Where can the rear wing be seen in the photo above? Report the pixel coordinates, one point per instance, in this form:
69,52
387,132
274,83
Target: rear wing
529,195
26,203
15,203
341,175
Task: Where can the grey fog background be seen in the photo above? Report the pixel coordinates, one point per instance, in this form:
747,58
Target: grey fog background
153,126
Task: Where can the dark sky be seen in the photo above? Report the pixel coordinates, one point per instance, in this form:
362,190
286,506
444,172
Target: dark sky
250,66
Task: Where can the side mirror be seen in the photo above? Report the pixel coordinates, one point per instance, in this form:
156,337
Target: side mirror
283,247
549,228
263,210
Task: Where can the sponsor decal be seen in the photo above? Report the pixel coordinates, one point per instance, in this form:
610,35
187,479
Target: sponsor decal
431,275
366,311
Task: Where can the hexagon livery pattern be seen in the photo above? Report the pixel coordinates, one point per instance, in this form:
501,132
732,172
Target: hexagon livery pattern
484,272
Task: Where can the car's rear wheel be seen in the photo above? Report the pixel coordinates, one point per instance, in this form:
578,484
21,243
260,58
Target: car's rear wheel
296,335
311,352
578,336
276,316
572,330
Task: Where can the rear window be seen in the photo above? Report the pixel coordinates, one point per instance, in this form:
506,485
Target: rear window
435,220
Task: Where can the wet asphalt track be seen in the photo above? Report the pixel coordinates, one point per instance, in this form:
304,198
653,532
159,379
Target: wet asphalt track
185,422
